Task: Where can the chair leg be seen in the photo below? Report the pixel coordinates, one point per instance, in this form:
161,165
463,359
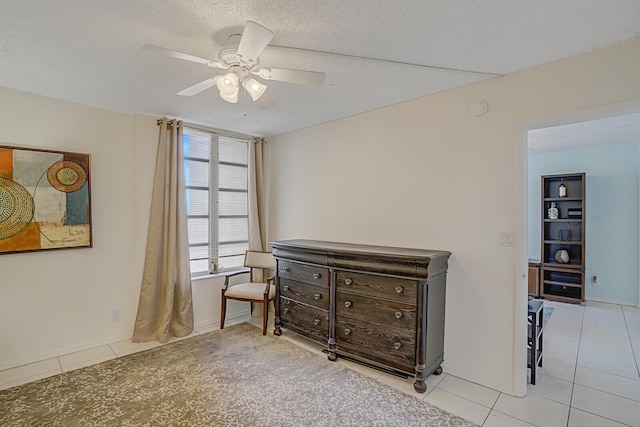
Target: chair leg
265,315
223,311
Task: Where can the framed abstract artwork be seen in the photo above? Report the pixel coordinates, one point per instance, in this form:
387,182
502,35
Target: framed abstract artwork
45,200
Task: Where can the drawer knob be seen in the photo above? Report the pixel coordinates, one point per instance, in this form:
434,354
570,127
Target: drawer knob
286,288
399,289
316,322
399,315
347,331
348,304
317,276
317,297
397,345
285,269
348,282
286,310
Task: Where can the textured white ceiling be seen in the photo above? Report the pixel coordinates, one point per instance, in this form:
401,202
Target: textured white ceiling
620,129
89,51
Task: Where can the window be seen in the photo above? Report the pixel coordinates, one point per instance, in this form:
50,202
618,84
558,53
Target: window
216,180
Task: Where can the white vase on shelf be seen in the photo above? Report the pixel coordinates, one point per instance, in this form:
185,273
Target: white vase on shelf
552,212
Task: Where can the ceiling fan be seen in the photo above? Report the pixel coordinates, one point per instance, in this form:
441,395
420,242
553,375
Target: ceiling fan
241,63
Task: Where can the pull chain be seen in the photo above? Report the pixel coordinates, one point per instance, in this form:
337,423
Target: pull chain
244,104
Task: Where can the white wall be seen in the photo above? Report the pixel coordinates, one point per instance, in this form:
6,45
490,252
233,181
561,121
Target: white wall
426,174
611,215
57,302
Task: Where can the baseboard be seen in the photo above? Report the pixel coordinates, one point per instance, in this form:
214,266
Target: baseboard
207,324
60,352
211,324
606,301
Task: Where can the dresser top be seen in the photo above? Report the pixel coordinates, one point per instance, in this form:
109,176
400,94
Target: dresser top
404,262
357,249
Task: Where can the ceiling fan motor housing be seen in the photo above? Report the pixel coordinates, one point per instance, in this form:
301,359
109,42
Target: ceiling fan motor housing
231,58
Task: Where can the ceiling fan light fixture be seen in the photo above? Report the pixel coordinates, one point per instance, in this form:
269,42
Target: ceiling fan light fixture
228,87
231,97
254,88
228,83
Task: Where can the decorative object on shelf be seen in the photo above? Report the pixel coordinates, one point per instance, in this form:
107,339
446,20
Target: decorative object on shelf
562,189
552,212
573,213
564,234
562,256
45,200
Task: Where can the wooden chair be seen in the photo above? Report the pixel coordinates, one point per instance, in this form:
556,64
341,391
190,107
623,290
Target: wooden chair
251,291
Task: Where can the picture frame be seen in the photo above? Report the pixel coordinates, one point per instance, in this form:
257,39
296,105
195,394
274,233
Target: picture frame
45,200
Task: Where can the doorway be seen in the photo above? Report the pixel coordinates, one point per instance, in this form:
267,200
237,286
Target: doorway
608,151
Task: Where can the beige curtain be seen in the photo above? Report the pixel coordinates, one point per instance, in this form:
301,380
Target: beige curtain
165,308
257,207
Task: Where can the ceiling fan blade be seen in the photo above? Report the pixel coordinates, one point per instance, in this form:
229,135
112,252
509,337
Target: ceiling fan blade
311,78
254,39
199,87
184,56
265,101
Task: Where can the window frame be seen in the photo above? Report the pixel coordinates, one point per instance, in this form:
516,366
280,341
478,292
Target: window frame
213,217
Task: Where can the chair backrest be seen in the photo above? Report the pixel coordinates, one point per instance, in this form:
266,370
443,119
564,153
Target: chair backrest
256,259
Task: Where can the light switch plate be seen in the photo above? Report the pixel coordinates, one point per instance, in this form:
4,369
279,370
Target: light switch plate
507,238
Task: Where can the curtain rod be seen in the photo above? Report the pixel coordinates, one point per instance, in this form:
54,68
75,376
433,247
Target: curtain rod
169,122
212,130
218,131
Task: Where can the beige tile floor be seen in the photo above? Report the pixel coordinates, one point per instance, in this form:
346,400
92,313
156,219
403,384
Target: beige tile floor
590,375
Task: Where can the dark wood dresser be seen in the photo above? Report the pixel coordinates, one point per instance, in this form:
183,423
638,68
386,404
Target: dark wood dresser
380,305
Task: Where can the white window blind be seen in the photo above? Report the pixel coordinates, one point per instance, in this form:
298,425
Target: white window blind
216,180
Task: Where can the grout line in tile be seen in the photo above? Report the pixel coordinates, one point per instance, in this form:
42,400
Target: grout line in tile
635,358
597,415
606,392
575,368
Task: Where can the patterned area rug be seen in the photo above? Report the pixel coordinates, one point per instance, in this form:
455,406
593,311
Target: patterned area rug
234,377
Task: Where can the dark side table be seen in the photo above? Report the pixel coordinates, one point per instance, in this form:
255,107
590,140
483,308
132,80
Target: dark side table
535,327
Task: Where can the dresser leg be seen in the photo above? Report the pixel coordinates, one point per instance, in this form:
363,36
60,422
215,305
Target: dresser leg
331,349
438,371
421,376
277,331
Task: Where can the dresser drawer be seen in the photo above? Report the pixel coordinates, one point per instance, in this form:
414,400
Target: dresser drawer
378,286
389,346
316,296
304,273
387,312
302,318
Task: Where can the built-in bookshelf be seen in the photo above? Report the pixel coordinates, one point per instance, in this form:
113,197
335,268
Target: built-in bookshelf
562,248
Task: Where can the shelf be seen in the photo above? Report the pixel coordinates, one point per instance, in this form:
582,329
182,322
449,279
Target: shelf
562,292
563,220
560,298
563,242
538,357
563,199
550,264
538,334
571,285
